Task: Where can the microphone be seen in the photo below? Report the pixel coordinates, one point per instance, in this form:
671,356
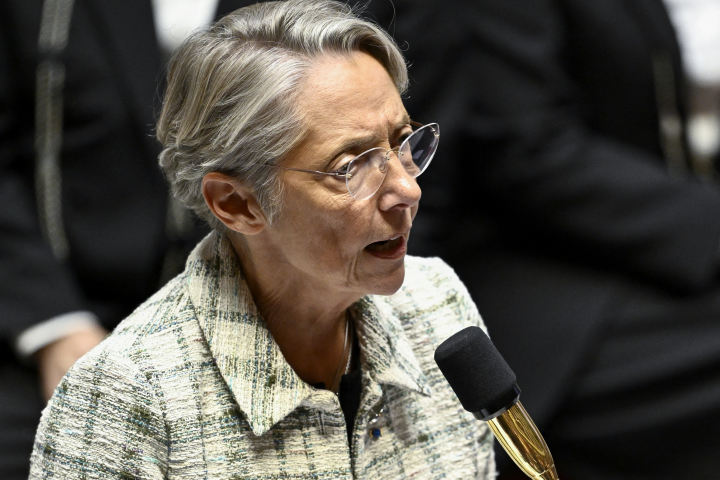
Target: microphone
487,387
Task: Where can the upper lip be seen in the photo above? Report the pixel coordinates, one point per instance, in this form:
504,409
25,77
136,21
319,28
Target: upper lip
393,236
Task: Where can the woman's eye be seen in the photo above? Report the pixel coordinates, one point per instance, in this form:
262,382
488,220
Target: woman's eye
343,170
403,137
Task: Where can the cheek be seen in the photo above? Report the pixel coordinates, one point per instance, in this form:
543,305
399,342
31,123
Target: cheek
331,228
350,227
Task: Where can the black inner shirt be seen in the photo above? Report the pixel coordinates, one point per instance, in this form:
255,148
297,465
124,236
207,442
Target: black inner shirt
349,391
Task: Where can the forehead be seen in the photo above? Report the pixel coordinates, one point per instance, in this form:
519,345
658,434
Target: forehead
349,95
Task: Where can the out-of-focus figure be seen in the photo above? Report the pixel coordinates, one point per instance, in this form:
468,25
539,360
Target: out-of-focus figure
566,198
696,23
86,228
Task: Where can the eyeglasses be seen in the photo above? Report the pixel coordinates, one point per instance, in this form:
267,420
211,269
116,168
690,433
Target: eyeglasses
365,173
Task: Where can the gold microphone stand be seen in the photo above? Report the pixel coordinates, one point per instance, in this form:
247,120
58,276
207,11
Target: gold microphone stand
521,439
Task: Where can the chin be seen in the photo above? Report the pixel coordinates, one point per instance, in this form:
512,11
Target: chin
390,283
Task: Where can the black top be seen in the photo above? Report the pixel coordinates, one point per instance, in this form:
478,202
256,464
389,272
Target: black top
349,390
349,395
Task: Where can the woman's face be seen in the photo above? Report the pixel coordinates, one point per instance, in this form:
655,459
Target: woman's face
323,235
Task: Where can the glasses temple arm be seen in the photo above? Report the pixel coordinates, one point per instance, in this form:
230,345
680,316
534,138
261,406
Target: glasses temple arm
332,174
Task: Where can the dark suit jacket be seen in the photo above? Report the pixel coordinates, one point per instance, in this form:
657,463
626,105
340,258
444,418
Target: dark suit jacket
550,194
114,197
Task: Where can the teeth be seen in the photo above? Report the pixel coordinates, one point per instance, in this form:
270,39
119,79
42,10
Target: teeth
383,245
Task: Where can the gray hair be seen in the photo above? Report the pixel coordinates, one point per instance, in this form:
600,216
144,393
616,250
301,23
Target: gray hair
231,101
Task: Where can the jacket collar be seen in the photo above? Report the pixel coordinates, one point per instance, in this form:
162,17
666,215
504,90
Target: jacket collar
263,384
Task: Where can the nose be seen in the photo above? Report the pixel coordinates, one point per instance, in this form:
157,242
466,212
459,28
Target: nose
386,159
399,189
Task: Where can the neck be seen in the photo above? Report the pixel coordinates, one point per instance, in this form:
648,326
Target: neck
306,320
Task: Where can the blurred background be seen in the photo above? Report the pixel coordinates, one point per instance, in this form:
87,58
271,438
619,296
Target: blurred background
575,192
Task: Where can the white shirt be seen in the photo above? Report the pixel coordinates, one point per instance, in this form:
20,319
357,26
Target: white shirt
175,20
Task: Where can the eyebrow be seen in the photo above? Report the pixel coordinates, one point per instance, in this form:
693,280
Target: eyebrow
354,143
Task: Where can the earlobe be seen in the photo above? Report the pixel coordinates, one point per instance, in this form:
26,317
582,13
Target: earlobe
233,203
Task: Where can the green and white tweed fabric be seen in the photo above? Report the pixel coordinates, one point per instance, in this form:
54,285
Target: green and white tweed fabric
192,386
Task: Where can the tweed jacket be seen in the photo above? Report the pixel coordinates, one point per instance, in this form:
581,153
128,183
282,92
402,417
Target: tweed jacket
192,385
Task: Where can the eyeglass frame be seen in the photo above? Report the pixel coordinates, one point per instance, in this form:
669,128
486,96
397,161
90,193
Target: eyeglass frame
348,176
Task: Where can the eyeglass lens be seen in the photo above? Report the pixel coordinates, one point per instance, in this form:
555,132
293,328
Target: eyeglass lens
368,170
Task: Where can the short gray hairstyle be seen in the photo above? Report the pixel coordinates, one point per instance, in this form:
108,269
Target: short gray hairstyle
231,101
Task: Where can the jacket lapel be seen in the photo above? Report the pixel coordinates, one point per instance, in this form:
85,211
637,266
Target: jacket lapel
387,357
653,19
264,385
127,32
670,90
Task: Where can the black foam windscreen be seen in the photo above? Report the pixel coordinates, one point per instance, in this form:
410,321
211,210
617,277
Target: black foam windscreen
474,369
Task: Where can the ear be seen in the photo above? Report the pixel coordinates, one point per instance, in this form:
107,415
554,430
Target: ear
233,203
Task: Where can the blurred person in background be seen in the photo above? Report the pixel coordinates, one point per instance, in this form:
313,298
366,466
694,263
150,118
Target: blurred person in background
696,23
568,202
87,231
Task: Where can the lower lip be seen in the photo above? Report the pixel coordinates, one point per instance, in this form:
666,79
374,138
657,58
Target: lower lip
394,254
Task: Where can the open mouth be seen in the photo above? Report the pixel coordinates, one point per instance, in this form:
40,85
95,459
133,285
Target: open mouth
385,245
395,247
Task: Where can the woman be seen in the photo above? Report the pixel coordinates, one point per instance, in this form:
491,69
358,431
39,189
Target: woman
299,340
